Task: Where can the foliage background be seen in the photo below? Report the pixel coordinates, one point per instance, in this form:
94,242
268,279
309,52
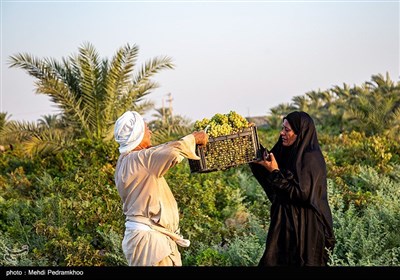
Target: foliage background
59,205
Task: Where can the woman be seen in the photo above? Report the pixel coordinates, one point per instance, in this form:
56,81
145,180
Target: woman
293,176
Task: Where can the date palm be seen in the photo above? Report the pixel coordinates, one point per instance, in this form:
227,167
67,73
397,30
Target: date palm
278,112
377,107
90,92
167,127
4,119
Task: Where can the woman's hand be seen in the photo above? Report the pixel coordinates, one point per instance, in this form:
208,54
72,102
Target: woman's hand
269,162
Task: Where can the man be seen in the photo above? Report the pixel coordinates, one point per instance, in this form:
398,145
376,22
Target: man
152,218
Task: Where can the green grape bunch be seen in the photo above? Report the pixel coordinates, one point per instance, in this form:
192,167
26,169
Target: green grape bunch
201,124
222,124
233,141
237,121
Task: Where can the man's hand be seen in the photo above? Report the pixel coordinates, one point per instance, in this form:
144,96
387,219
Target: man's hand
201,137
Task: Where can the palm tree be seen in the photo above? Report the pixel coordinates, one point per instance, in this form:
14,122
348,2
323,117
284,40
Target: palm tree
4,119
36,139
278,112
50,121
166,127
376,109
90,92
301,102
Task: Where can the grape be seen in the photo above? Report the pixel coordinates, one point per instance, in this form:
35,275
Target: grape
201,125
222,124
228,145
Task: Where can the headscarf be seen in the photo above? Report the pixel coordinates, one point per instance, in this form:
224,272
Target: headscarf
303,126
294,119
129,131
303,160
306,162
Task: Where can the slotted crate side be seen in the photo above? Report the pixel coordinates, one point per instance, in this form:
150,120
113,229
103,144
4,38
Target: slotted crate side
227,151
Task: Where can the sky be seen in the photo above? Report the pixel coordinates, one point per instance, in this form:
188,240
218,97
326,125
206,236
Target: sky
245,56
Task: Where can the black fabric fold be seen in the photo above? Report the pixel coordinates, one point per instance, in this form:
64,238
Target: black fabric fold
301,226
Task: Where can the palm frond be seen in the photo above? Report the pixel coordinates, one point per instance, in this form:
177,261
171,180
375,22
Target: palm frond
17,131
48,142
91,92
34,66
151,67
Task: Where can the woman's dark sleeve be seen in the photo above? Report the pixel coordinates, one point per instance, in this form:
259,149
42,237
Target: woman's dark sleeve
287,186
262,175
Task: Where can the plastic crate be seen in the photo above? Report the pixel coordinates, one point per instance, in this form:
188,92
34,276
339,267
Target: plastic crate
227,151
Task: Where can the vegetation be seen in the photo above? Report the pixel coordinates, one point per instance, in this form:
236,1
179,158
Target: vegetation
59,205
90,92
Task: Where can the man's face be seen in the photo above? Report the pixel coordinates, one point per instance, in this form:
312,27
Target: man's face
146,142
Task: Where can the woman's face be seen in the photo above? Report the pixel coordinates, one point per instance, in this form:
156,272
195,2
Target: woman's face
287,134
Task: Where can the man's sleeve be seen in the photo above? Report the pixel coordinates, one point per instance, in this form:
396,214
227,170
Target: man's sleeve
173,153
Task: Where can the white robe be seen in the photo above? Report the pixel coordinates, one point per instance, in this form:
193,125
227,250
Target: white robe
147,199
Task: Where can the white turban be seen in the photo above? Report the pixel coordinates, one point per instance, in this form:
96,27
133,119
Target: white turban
129,131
